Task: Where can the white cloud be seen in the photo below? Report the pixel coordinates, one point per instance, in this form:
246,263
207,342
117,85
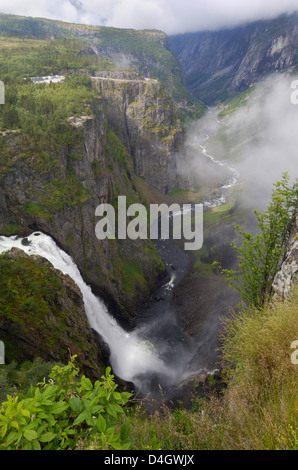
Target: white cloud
171,16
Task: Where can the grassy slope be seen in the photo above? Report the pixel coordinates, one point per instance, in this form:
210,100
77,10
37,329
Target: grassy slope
148,51
259,408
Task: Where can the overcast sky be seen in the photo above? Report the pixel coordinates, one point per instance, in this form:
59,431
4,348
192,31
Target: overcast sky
171,16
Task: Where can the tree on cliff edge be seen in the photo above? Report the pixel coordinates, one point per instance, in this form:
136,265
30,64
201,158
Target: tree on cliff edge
260,256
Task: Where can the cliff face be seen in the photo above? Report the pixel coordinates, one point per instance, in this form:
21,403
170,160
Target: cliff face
144,118
220,64
288,273
45,314
58,192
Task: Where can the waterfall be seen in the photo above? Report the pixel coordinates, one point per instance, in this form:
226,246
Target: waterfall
131,355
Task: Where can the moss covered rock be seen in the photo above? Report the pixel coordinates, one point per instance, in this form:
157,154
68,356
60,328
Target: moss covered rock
42,314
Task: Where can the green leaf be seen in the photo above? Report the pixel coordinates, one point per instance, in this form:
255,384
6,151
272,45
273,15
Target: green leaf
47,416
101,423
127,445
86,383
117,396
116,446
125,430
50,391
125,396
96,409
30,434
58,407
82,417
12,436
27,446
76,404
36,445
112,411
47,437
118,408
3,430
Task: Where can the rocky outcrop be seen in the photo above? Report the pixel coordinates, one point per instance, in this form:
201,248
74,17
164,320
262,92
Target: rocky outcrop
288,274
219,64
144,117
45,315
133,131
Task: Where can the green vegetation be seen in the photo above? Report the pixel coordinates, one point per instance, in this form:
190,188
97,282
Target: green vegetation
117,149
259,407
11,25
257,411
65,413
34,301
16,379
260,256
191,113
13,229
233,104
148,50
41,112
35,122
216,251
132,277
28,290
26,58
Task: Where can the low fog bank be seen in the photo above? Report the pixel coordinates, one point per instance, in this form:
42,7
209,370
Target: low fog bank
259,140
273,149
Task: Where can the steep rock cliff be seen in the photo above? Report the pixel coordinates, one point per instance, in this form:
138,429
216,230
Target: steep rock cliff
57,190
288,273
144,117
219,64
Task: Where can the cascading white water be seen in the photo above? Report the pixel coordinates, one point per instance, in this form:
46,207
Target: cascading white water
130,355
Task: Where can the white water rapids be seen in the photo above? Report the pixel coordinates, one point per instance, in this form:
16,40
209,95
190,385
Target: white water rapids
228,185
198,143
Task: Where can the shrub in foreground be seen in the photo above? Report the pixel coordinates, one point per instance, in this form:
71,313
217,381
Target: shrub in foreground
67,412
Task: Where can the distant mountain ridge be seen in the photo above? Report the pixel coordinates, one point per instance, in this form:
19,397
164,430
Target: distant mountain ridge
219,64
